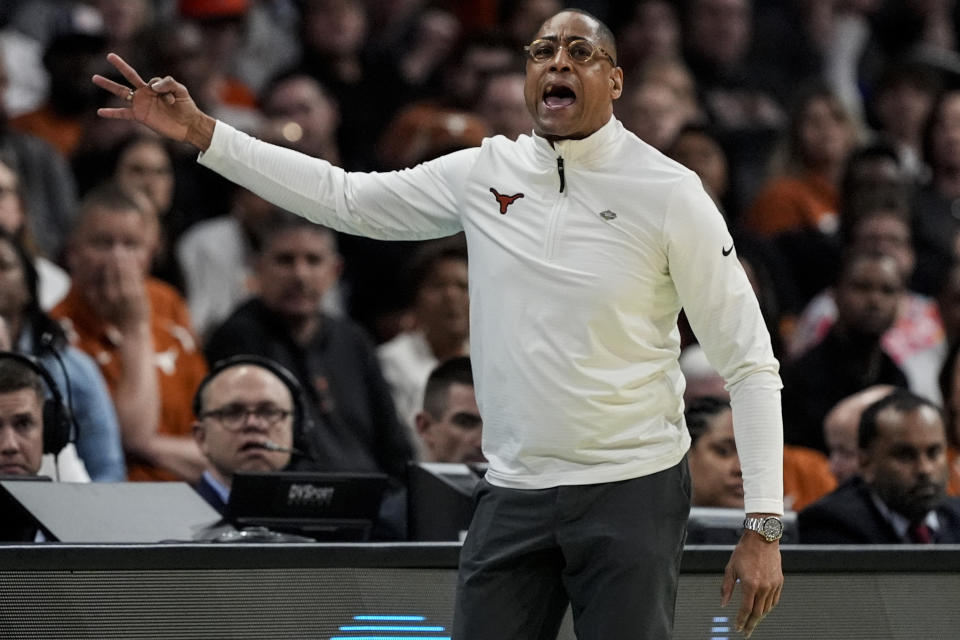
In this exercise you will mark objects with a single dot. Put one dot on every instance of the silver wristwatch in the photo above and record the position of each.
(770, 527)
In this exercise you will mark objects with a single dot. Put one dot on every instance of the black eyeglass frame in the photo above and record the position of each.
(239, 420)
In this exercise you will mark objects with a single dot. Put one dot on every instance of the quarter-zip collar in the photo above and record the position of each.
(583, 151)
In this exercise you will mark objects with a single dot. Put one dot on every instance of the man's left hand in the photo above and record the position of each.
(756, 564)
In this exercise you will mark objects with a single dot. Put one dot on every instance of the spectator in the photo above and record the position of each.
(698, 149)
(22, 441)
(950, 386)
(74, 53)
(333, 39)
(674, 73)
(935, 229)
(52, 281)
(800, 203)
(899, 496)
(655, 113)
(806, 473)
(48, 188)
(851, 356)
(31, 331)
(738, 98)
(138, 330)
(144, 163)
(840, 430)
(873, 178)
(125, 22)
(180, 46)
(24, 437)
(905, 94)
(334, 361)
(245, 405)
(430, 37)
(449, 424)
(502, 105)
(217, 257)
(479, 57)
(916, 340)
(715, 476)
(520, 18)
(948, 302)
(301, 115)
(222, 25)
(652, 32)
(441, 314)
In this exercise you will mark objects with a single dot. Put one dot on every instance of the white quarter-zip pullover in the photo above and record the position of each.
(581, 255)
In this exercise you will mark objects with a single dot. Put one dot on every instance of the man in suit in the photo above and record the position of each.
(900, 494)
(245, 421)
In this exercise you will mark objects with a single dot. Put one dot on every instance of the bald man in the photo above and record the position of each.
(840, 430)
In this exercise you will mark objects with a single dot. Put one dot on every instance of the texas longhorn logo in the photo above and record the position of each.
(505, 201)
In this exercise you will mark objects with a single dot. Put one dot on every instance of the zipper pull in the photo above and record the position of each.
(560, 171)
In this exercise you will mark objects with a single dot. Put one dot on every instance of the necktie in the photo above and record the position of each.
(920, 533)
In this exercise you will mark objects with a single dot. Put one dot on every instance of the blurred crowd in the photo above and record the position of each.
(826, 131)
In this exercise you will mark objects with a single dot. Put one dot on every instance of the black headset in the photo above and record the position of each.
(301, 418)
(57, 420)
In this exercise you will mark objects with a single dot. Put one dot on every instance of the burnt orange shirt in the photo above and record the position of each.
(806, 476)
(791, 204)
(180, 364)
(62, 133)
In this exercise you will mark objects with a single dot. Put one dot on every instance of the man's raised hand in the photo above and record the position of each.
(163, 104)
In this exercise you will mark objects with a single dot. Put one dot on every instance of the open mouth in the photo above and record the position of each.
(250, 446)
(558, 96)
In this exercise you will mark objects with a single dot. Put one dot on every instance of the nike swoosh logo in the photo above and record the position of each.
(726, 252)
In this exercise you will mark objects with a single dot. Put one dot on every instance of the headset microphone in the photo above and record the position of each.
(273, 446)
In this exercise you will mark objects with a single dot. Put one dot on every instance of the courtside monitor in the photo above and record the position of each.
(327, 506)
(106, 512)
(440, 499)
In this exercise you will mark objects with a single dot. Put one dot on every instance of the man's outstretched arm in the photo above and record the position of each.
(163, 104)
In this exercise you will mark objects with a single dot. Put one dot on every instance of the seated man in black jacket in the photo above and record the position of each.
(851, 357)
(900, 494)
(345, 395)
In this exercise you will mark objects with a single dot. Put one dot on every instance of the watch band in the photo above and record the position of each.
(770, 528)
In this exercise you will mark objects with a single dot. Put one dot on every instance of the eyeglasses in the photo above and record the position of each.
(580, 50)
(234, 416)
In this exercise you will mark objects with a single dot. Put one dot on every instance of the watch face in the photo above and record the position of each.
(772, 528)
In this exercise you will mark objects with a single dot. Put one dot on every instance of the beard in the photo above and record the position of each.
(915, 501)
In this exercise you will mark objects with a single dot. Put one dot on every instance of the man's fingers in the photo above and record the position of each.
(729, 582)
(126, 70)
(746, 612)
(119, 113)
(115, 88)
(168, 88)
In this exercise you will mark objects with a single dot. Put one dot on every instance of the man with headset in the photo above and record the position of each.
(246, 411)
(21, 418)
(30, 425)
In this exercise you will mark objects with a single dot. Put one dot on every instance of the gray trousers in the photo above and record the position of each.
(612, 551)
